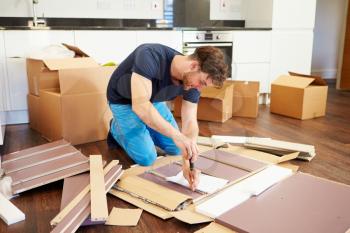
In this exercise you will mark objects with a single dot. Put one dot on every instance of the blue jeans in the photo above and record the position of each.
(137, 139)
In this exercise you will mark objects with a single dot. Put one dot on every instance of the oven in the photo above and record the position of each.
(220, 39)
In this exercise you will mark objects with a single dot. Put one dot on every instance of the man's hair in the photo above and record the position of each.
(212, 61)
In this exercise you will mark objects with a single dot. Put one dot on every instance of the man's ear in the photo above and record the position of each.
(194, 65)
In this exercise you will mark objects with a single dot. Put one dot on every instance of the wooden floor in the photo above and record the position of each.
(330, 135)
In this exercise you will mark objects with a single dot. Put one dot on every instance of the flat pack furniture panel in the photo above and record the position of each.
(234, 160)
(39, 158)
(21, 187)
(99, 208)
(80, 196)
(241, 191)
(217, 169)
(235, 167)
(72, 186)
(47, 168)
(153, 192)
(40, 165)
(300, 203)
(169, 170)
(75, 217)
(9, 212)
(33, 151)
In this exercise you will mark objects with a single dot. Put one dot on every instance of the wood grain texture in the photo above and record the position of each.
(99, 209)
(80, 196)
(330, 135)
(345, 70)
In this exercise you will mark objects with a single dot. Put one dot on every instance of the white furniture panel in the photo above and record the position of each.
(251, 46)
(291, 51)
(17, 83)
(106, 46)
(253, 72)
(295, 14)
(19, 43)
(172, 39)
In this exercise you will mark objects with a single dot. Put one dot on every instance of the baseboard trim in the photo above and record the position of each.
(17, 117)
(326, 73)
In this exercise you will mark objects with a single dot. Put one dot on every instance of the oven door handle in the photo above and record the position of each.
(196, 45)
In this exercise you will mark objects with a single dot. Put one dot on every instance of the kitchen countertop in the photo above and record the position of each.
(135, 28)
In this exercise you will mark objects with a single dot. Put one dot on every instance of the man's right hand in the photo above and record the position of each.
(187, 146)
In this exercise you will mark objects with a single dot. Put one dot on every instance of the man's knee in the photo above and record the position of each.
(172, 150)
(146, 159)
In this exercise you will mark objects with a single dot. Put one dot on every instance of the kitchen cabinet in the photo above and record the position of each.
(3, 89)
(251, 46)
(105, 46)
(251, 57)
(253, 72)
(296, 14)
(280, 14)
(17, 83)
(291, 51)
(173, 39)
(18, 45)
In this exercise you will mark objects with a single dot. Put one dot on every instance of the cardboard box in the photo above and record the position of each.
(42, 74)
(245, 101)
(34, 112)
(78, 111)
(214, 104)
(302, 97)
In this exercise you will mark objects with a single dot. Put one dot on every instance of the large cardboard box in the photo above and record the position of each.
(42, 74)
(78, 111)
(34, 112)
(214, 104)
(245, 101)
(301, 96)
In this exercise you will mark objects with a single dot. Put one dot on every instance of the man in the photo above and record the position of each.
(138, 89)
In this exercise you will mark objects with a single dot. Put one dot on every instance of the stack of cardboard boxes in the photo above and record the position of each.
(235, 98)
(67, 98)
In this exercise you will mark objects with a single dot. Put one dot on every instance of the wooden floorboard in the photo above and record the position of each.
(329, 134)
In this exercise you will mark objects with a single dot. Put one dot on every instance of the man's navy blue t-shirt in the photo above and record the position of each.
(153, 62)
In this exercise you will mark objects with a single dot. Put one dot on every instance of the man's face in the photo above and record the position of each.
(196, 79)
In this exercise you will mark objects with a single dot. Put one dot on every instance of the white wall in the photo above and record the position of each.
(327, 37)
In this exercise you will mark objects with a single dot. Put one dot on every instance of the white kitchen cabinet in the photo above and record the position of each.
(105, 46)
(3, 89)
(280, 14)
(296, 14)
(251, 46)
(253, 72)
(291, 51)
(251, 54)
(172, 39)
(20, 43)
(17, 83)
